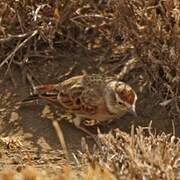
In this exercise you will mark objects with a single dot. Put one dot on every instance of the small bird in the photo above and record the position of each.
(94, 97)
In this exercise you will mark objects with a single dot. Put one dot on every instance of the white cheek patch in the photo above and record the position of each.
(115, 105)
(118, 99)
(111, 101)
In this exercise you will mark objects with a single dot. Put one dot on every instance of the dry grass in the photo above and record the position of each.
(153, 29)
(30, 173)
(121, 156)
(147, 31)
(139, 155)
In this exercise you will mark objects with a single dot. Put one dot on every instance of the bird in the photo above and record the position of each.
(89, 96)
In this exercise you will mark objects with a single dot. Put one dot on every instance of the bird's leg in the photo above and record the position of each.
(77, 123)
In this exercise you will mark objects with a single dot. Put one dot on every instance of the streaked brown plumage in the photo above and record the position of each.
(93, 96)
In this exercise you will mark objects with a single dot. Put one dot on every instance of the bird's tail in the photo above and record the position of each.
(47, 92)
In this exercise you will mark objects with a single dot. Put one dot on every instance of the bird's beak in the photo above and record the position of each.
(132, 110)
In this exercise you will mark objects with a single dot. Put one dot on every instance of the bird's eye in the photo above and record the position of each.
(120, 103)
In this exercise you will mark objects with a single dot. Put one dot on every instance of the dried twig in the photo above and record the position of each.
(130, 65)
(10, 37)
(71, 69)
(60, 137)
(17, 48)
(29, 78)
(89, 16)
(166, 102)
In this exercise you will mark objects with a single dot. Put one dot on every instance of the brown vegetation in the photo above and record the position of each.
(136, 39)
(120, 156)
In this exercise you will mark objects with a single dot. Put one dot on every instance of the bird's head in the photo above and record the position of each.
(126, 97)
(121, 98)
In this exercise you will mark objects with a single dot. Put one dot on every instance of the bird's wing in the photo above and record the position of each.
(81, 95)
